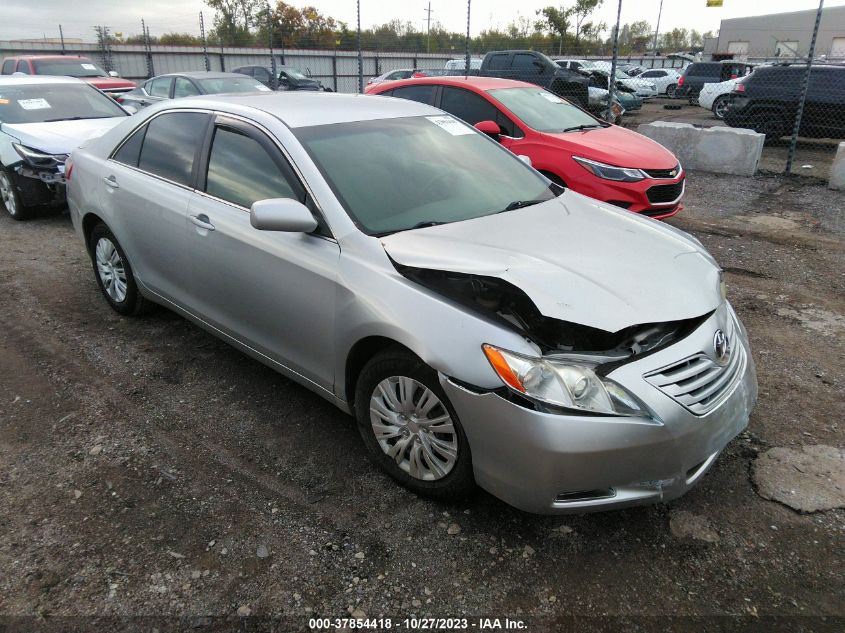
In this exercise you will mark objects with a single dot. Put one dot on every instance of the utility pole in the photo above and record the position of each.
(274, 77)
(62, 38)
(428, 29)
(204, 44)
(657, 29)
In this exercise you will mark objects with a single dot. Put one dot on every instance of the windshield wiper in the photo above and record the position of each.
(592, 126)
(424, 224)
(520, 204)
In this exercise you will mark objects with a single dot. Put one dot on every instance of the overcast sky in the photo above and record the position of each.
(37, 18)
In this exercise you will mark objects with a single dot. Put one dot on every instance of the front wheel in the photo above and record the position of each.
(10, 197)
(410, 429)
(114, 274)
(720, 106)
(670, 91)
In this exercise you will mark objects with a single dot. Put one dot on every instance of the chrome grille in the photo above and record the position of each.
(699, 383)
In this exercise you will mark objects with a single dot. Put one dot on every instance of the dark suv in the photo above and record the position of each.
(766, 101)
(699, 73)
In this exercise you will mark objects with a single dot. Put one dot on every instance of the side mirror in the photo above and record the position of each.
(114, 73)
(490, 128)
(525, 159)
(282, 214)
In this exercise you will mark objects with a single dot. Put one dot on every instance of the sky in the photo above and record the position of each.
(29, 19)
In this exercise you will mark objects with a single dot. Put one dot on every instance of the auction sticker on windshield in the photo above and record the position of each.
(451, 125)
(33, 104)
(550, 97)
(89, 66)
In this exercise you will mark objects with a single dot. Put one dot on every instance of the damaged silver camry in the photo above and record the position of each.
(483, 325)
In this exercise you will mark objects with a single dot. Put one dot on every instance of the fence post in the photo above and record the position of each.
(360, 55)
(274, 78)
(611, 83)
(148, 52)
(466, 61)
(204, 44)
(793, 142)
(222, 57)
(62, 38)
(334, 70)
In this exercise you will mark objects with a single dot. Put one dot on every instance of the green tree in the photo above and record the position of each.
(580, 12)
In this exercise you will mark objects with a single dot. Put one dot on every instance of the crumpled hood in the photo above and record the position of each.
(577, 259)
(618, 146)
(60, 137)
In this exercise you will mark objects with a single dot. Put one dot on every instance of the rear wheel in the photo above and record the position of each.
(670, 91)
(114, 274)
(10, 197)
(720, 106)
(771, 125)
(409, 427)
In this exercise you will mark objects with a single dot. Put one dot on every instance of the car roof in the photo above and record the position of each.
(304, 109)
(202, 74)
(17, 80)
(479, 83)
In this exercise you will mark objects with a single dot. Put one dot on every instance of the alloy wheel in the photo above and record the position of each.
(111, 269)
(7, 194)
(414, 428)
(670, 91)
(720, 107)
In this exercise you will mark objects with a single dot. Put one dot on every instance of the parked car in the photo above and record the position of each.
(598, 105)
(600, 74)
(716, 96)
(393, 75)
(536, 68)
(482, 324)
(566, 144)
(573, 64)
(41, 120)
(632, 70)
(177, 85)
(767, 100)
(460, 64)
(289, 78)
(699, 73)
(69, 66)
(665, 80)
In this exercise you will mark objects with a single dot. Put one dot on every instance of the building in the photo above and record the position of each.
(783, 36)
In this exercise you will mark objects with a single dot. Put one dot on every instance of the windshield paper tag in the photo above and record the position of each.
(33, 104)
(549, 96)
(263, 88)
(89, 66)
(451, 125)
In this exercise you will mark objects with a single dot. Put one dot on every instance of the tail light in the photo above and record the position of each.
(681, 80)
(119, 99)
(734, 76)
(68, 169)
(740, 87)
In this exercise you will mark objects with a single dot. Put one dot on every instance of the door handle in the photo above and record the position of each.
(202, 221)
(111, 181)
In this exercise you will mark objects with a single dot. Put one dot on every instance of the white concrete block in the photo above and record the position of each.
(724, 150)
(837, 170)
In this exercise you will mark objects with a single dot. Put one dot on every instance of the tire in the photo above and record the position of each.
(720, 106)
(773, 128)
(10, 198)
(378, 401)
(670, 91)
(111, 267)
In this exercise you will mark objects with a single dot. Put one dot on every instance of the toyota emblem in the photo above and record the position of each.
(720, 346)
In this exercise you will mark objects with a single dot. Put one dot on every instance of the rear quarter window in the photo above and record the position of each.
(8, 66)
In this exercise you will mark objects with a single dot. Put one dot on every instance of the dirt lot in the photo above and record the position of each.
(813, 157)
(150, 470)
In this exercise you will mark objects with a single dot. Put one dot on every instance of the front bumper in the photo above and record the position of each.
(633, 196)
(559, 464)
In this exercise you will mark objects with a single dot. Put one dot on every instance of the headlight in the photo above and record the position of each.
(609, 172)
(561, 382)
(39, 159)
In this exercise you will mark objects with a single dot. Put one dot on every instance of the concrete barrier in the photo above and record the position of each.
(837, 170)
(724, 150)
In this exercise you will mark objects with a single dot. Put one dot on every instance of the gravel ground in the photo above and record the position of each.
(148, 469)
(813, 157)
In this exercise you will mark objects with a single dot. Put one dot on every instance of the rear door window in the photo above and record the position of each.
(467, 105)
(262, 74)
(23, 67)
(160, 87)
(422, 94)
(8, 66)
(184, 88)
(498, 61)
(170, 145)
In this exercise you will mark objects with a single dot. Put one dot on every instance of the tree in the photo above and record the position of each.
(233, 20)
(581, 11)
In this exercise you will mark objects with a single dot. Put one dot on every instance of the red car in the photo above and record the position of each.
(71, 66)
(567, 144)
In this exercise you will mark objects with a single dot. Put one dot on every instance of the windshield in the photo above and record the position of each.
(542, 110)
(38, 103)
(223, 85)
(295, 74)
(70, 67)
(397, 174)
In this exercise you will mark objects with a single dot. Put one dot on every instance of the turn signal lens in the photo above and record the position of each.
(500, 365)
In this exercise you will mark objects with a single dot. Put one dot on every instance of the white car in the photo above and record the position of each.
(665, 79)
(643, 88)
(43, 118)
(717, 96)
(392, 75)
(460, 64)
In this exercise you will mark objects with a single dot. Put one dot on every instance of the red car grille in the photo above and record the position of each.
(661, 194)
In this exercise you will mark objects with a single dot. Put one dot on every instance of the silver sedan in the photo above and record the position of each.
(482, 325)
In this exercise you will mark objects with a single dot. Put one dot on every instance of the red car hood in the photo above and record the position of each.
(109, 83)
(617, 146)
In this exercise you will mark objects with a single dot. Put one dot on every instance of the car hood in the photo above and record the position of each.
(577, 259)
(618, 146)
(60, 137)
